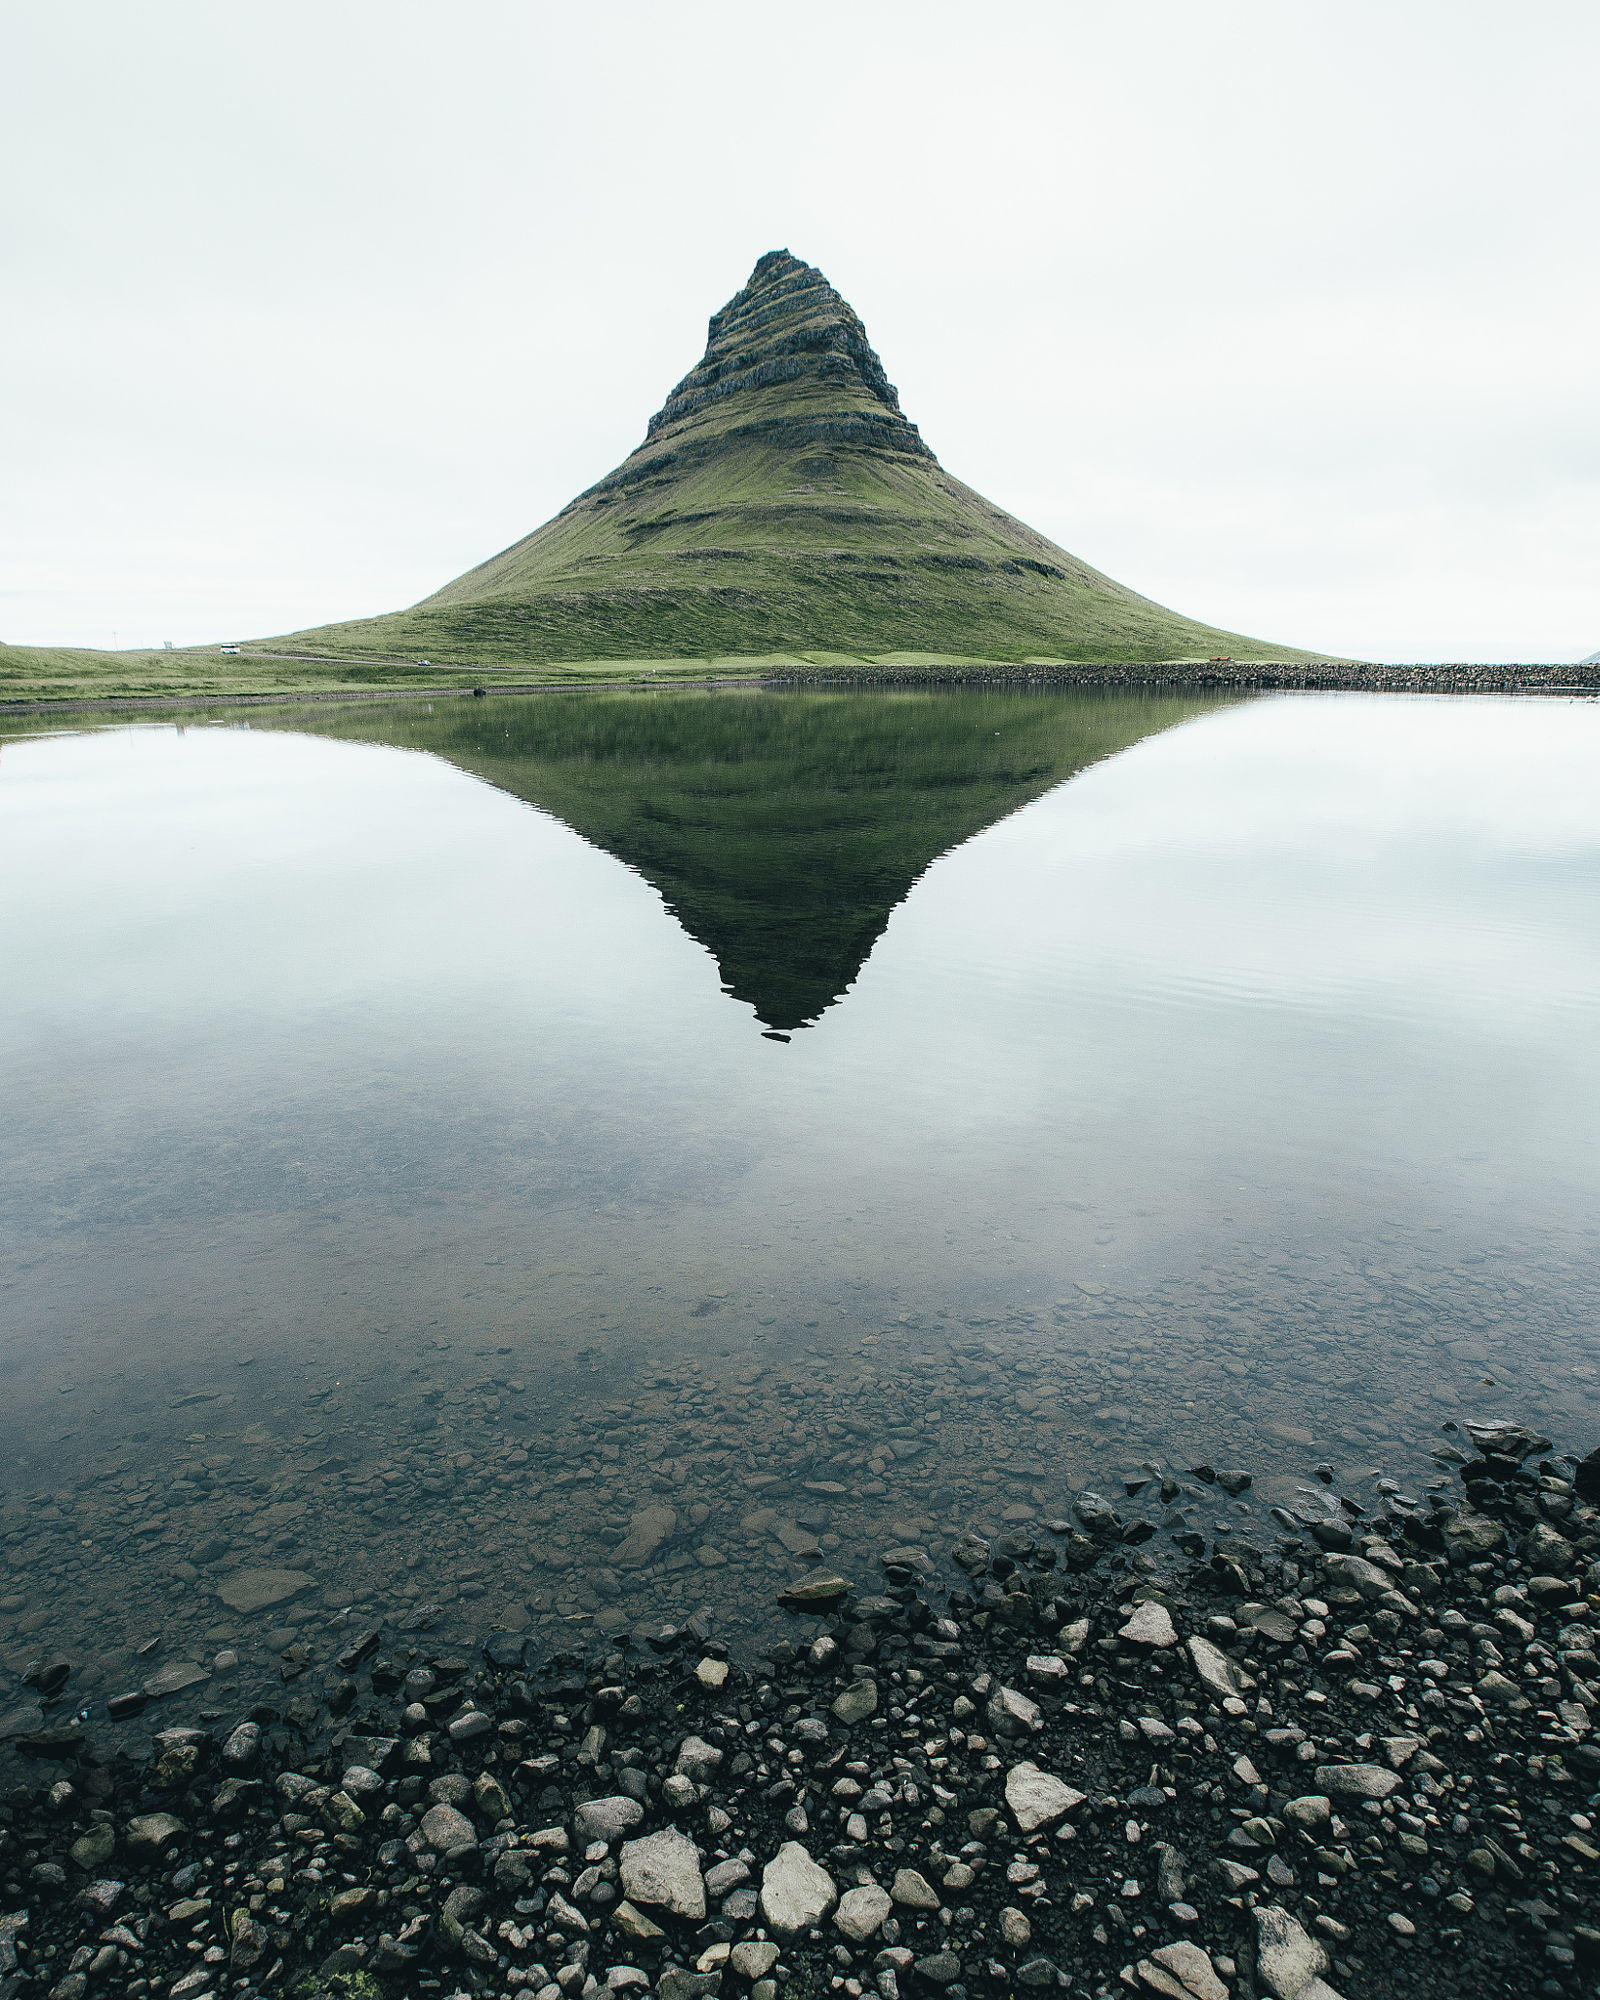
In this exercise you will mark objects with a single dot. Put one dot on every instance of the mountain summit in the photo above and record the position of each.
(788, 330)
(782, 504)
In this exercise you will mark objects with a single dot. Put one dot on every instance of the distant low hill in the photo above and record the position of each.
(783, 506)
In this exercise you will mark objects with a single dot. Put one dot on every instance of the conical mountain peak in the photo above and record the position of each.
(787, 358)
(782, 505)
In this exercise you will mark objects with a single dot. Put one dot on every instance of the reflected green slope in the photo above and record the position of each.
(780, 829)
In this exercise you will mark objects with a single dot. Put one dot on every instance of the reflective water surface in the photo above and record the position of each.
(555, 1162)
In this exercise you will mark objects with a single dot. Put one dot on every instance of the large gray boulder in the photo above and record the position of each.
(795, 1893)
(861, 1912)
(664, 1869)
(448, 1831)
(606, 1819)
(1036, 1798)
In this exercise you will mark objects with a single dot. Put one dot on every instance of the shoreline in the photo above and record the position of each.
(1245, 677)
(1362, 1751)
(275, 698)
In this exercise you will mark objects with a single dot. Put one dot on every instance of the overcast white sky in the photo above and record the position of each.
(1284, 314)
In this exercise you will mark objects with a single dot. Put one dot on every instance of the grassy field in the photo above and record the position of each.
(49, 675)
(52, 674)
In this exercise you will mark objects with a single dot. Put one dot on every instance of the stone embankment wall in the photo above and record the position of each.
(1321, 675)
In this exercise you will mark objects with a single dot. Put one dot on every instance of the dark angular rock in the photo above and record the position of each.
(358, 1650)
(1038, 1972)
(943, 1968)
(47, 1674)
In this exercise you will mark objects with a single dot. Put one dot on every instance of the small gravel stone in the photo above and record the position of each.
(448, 1831)
(1215, 1669)
(914, 1890)
(726, 1876)
(1012, 1713)
(941, 1968)
(696, 1759)
(153, 1833)
(1287, 1960)
(822, 1587)
(649, 1527)
(1182, 1971)
(249, 1590)
(753, 1959)
(857, 1702)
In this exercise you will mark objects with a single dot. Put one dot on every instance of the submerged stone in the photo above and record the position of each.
(249, 1590)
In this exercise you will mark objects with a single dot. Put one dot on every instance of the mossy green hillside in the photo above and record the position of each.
(781, 502)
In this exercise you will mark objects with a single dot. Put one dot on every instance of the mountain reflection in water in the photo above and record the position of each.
(388, 1195)
(780, 833)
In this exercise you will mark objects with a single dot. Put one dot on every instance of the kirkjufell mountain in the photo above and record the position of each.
(783, 505)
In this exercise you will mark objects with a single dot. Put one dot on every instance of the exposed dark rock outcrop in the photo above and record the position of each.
(790, 326)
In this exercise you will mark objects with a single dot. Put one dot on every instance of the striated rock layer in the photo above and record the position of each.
(787, 326)
(782, 504)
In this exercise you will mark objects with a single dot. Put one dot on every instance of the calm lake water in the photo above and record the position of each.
(561, 1162)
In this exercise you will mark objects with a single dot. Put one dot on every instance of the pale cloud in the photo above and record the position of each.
(1283, 315)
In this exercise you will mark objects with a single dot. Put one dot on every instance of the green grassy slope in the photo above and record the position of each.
(781, 829)
(55, 673)
(71, 673)
(781, 504)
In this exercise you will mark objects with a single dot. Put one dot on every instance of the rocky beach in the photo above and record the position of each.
(1352, 1755)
